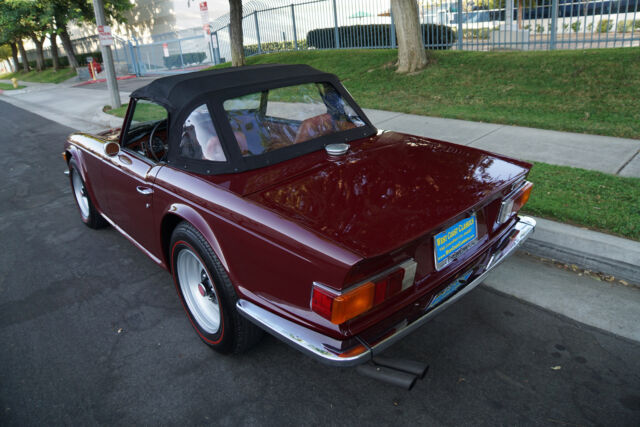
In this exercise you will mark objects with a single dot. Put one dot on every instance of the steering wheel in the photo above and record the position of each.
(156, 146)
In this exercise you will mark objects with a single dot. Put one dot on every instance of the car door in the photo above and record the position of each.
(129, 186)
(129, 181)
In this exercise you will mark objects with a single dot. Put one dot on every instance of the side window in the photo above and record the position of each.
(148, 130)
(199, 139)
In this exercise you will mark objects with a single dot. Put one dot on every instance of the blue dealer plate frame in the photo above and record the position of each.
(454, 240)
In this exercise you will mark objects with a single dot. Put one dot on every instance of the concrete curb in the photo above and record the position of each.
(107, 120)
(588, 249)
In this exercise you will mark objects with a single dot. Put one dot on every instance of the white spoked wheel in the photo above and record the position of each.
(80, 192)
(207, 294)
(88, 212)
(198, 290)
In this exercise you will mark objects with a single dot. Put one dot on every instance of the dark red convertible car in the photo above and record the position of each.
(276, 205)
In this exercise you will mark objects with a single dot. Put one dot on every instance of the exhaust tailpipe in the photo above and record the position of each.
(388, 375)
(418, 369)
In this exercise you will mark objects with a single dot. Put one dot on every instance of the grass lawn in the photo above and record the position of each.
(118, 112)
(588, 91)
(587, 198)
(46, 76)
(143, 113)
(8, 86)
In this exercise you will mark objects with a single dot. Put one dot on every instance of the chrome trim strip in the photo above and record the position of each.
(315, 344)
(132, 240)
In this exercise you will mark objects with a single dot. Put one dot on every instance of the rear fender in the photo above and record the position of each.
(187, 213)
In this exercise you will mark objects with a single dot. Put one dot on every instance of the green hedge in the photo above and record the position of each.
(628, 26)
(377, 35)
(605, 25)
(175, 61)
(268, 47)
(64, 61)
(479, 33)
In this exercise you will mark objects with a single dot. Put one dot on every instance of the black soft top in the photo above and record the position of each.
(177, 92)
(181, 93)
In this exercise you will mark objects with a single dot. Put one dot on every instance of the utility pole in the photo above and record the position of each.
(112, 82)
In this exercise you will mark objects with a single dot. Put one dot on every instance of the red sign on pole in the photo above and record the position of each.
(204, 18)
(104, 33)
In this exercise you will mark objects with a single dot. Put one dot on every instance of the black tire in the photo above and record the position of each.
(88, 214)
(235, 334)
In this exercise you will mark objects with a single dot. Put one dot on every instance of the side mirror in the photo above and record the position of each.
(111, 148)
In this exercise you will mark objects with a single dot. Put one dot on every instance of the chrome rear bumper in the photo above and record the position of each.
(323, 347)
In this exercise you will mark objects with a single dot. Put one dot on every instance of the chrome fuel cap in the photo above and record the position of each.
(336, 149)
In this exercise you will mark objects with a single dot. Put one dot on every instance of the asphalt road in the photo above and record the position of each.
(92, 332)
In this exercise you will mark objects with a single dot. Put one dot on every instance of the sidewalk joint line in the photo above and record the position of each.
(390, 118)
(486, 134)
(624, 165)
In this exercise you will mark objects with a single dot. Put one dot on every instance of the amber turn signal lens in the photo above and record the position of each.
(514, 202)
(523, 197)
(349, 305)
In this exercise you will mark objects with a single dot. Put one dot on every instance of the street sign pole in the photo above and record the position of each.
(107, 57)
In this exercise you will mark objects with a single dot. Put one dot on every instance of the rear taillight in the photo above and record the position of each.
(358, 299)
(514, 202)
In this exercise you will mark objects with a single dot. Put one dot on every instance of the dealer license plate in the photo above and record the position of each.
(454, 240)
(449, 290)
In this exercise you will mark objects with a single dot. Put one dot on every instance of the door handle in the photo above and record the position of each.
(144, 190)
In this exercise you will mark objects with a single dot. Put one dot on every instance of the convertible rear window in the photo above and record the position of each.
(277, 118)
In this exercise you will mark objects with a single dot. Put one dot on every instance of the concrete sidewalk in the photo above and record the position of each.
(77, 108)
(81, 108)
(619, 156)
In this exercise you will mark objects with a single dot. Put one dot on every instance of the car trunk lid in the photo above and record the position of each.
(387, 191)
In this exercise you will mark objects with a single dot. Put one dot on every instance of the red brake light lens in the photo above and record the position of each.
(321, 303)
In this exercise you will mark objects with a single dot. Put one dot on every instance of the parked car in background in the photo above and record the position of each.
(276, 205)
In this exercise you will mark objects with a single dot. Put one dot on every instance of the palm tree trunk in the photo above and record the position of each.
(68, 47)
(39, 53)
(23, 54)
(14, 54)
(235, 30)
(411, 53)
(54, 51)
